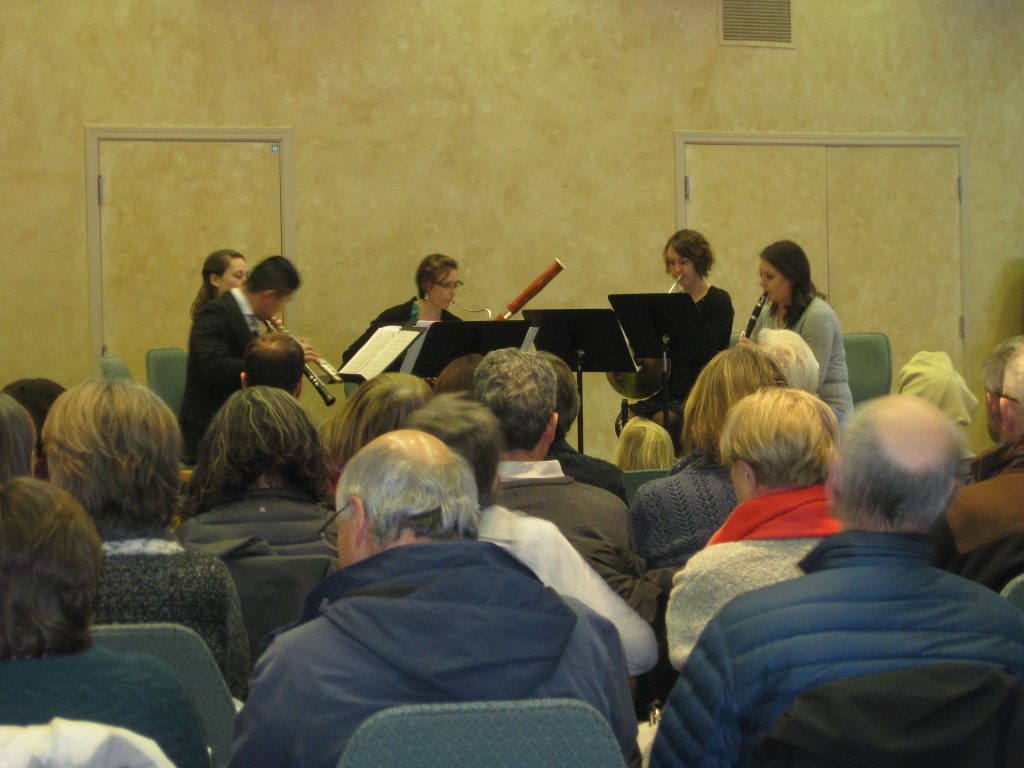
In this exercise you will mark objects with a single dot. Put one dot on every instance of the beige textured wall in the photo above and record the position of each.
(503, 133)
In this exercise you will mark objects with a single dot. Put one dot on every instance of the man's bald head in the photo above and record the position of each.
(409, 483)
(896, 466)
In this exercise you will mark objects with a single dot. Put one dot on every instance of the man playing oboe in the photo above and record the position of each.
(220, 333)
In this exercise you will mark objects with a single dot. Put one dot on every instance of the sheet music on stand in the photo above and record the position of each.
(382, 349)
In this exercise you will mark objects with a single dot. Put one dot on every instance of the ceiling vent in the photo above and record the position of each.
(756, 22)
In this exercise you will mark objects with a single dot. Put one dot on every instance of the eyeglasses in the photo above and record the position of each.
(451, 286)
(997, 393)
(329, 530)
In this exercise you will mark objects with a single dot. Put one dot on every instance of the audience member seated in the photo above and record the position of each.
(274, 360)
(519, 388)
(473, 432)
(114, 445)
(261, 472)
(643, 445)
(580, 467)
(794, 356)
(981, 536)
(379, 405)
(36, 395)
(17, 440)
(930, 375)
(870, 602)
(673, 517)
(992, 372)
(50, 557)
(417, 615)
(457, 376)
(777, 445)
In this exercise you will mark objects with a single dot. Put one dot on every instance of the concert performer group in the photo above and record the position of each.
(228, 312)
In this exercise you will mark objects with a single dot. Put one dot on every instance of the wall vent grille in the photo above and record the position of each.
(756, 22)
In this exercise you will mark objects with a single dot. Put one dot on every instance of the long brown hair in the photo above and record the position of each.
(217, 263)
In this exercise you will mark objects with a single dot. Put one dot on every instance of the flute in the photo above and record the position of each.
(308, 372)
(753, 316)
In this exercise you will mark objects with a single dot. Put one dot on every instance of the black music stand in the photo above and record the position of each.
(664, 325)
(445, 341)
(588, 340)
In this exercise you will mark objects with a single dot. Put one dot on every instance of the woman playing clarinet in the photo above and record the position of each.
(688, 259)
(796, 304)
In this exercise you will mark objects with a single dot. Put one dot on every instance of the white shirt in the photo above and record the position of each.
(539, 545)
(243, 304)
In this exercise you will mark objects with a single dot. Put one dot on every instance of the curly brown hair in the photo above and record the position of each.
(261, 437)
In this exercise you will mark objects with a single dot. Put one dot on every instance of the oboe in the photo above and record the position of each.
(308, 372)
(753, 316)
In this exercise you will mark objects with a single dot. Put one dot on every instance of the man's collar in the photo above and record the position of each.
(529, 470)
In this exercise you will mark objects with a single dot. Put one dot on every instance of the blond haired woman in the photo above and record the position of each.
(379, 405)
(673, 517)
(114, 446)
(643, 445)
(777, 445)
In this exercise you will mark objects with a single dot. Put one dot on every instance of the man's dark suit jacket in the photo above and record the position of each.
(216, 347)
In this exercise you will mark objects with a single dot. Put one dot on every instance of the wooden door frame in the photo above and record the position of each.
(283, 137)
(958, 142)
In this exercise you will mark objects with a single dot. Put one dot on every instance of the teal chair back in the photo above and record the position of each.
(634, 478)
(165, 374)
(869, 363)
(536, 733)
(113, 367)
(188, 656)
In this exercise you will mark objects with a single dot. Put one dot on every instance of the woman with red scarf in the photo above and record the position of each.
(777, 445)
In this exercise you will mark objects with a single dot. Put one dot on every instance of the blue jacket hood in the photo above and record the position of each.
(463, 618)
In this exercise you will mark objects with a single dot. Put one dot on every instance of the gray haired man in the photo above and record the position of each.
(420, 613)
(981, 537)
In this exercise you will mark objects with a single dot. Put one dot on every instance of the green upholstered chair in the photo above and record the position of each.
(165, 374)
(634, 478)
(187, 655)
(533, 733)
(869, 363)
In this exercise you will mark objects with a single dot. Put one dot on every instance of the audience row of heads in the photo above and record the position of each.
(114, 445)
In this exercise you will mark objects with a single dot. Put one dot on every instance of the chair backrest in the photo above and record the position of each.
(165, 374)
(487, 734)
(187, 655)
(869, 364)
(1014, 591)
(113, 367)
(634, 478)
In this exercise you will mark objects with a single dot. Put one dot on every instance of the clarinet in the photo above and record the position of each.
(313, 379)
(753, 316)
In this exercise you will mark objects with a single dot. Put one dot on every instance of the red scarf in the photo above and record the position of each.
(791, 514)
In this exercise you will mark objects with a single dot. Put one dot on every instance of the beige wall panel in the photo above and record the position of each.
(504, 133)
(167, 204)
(743, 198)
(894, 246)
